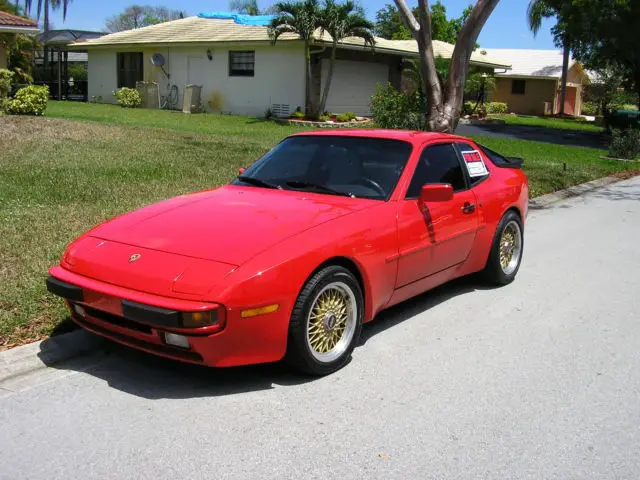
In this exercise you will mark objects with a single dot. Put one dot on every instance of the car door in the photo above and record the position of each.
(435, 236)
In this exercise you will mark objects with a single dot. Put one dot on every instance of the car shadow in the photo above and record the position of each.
(152, 377)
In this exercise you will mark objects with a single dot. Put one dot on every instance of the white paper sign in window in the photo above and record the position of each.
(475, 164)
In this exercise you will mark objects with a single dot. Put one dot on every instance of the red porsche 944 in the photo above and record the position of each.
(306, 245)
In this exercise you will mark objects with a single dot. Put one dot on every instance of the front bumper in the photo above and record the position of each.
(234, 341)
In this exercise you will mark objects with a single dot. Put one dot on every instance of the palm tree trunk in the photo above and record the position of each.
(565, 74)
(327, 83)
(309, 108)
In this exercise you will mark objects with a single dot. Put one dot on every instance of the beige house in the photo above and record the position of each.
(533, 84)
(14, 24)
(240, 71)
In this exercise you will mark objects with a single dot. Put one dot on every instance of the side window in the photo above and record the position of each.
(437, 164)
(465, 147)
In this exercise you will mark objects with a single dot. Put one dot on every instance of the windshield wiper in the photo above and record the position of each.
(296, 184)
(257, 182)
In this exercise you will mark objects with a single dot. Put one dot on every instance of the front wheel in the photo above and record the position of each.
(506, 251)
(326, 322)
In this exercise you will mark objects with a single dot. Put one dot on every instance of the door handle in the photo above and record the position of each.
(468, 208)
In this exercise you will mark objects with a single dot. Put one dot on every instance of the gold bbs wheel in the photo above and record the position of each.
(331, 322)
(510, 247)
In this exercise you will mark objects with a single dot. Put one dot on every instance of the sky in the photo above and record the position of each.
(506, 28)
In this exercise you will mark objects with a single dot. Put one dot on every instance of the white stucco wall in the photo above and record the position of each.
(102, 75)
(279, 76)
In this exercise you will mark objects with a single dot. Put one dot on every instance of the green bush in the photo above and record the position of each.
(128, 97)
(488, 107)
(6, 79)
(344, 117)
(494, 108)
(398, 110)
(298, 114)
(324, 118)
(625, 144)
(589, 108)
(31, 100)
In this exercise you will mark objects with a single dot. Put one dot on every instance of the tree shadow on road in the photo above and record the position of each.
(148, 376)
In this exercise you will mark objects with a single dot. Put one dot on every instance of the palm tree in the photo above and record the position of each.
(47, 5)
(536, 12)
(302, 18)
(342, 21)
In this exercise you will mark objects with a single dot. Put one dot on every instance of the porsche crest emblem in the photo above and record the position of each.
(134, 257)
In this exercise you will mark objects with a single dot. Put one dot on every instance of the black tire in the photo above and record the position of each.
(493, 272)
(299, 355)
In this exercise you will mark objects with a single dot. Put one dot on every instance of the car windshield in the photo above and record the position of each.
(332, 165)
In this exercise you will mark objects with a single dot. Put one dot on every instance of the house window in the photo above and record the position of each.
(130, 69)
(517, 87)
(242, 63)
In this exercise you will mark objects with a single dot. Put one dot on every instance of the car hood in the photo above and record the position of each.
(229, 225)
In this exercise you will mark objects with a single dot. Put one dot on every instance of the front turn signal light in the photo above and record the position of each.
(254, 312)
(199, 319)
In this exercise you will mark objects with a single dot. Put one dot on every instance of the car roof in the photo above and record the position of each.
(411, 136)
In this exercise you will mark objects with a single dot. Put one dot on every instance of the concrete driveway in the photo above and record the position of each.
(540, 379)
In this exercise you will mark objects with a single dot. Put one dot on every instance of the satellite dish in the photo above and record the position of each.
(157, 59)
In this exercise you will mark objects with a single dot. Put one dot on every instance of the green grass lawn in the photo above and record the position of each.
(550, 122)
(84, 163)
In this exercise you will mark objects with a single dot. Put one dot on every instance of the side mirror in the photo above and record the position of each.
(241, 170)
(436, 192)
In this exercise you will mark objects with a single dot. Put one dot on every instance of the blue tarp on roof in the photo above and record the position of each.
(255, 20)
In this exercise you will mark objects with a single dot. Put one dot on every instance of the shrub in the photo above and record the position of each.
(589, 108)
(467, 108)
(6, 79)
(399, 110)
(324, 118)
(625, 143)
(350, 115)
(494, 108)
(31, 100)
(344, 117)
(298, 114)
(128, 97)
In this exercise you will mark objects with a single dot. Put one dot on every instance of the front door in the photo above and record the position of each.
(437, 235)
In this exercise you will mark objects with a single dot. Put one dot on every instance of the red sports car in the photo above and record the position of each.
(303, 247)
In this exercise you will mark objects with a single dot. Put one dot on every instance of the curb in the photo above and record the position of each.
(45, 353)
(545, 201)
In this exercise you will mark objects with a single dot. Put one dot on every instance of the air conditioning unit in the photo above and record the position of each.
(280, 109)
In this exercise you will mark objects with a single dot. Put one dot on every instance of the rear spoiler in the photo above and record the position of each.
(514, 162)
(500, 160)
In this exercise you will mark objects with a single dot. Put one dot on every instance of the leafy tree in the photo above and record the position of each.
(445, 99)
(138, 16)
(341, 21)
(389, 24)
(249, 7)
(603, 34)
(302, 18)
(20, 48)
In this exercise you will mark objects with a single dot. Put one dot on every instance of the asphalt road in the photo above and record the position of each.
(555, 136)
(540, 379)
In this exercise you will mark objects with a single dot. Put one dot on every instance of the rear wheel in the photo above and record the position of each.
(506, 251)
(326, 322)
